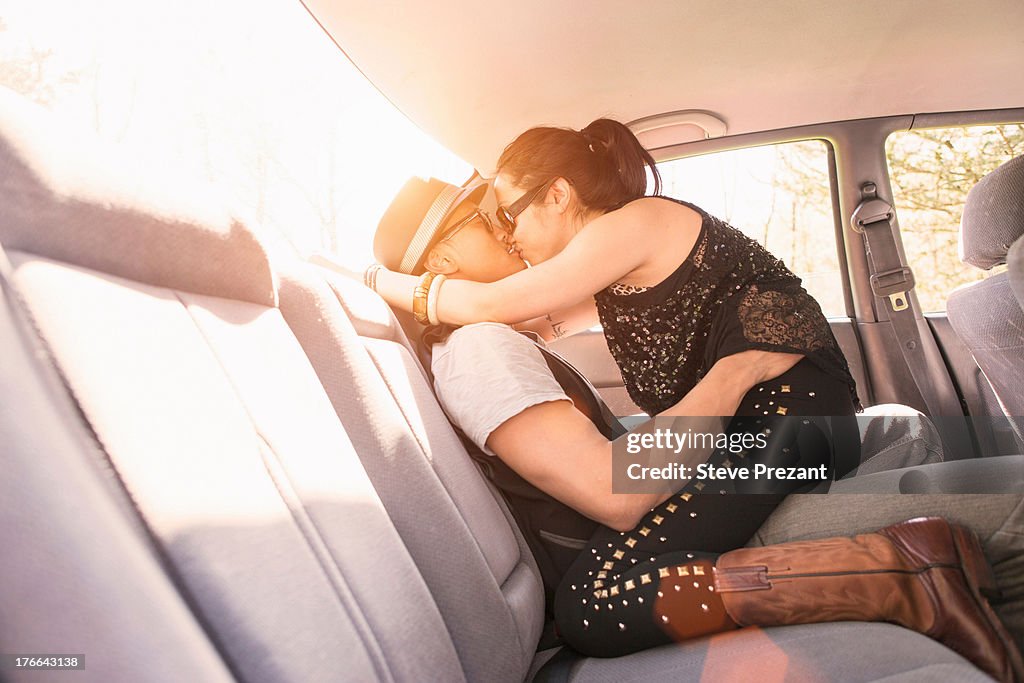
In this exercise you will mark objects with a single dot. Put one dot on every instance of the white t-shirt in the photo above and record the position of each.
(487, 373)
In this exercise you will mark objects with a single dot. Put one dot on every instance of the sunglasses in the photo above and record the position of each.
(506, 215)
(477, 213)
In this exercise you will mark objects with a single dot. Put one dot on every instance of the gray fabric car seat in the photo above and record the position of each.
(986, 315)
(477, 565)
(190, 468)
(207, 412)
(79, 574)
(327, 321)
(1015, 269)
(895, 436)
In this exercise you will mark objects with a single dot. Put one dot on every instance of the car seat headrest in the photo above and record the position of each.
(67, 197)
(993, 216)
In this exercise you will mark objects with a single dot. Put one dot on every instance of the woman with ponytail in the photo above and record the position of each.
(675, 288)
(677, 291)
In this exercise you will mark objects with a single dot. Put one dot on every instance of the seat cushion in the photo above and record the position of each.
(843, 651)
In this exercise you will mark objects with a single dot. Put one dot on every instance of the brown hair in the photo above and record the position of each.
(604, 162)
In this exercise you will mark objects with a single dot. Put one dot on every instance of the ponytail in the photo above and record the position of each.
(604, 161)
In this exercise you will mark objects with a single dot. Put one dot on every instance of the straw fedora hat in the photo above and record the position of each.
(412, 223)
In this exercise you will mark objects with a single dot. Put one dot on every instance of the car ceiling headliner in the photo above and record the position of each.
(474, 75)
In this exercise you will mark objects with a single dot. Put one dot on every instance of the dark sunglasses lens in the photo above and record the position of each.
(505, 219)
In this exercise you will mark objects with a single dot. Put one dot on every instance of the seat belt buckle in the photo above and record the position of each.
(894, 285)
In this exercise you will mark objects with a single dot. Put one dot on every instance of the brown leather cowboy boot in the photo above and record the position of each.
(923, 574)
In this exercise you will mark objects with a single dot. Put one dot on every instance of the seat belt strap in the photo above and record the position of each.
(891, 281)
(575, 383)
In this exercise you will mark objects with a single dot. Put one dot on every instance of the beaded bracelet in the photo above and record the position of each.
(432, 295)
(370, 275)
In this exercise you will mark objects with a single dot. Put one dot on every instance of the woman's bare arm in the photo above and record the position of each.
(605, 251)
(563, 323)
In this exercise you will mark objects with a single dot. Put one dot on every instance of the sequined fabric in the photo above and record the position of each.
(727, 296)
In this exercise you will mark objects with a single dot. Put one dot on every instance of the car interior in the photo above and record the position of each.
(224, 461)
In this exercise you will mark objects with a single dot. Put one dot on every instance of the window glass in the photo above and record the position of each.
(251, 97)
(932, 171)
(777, 194)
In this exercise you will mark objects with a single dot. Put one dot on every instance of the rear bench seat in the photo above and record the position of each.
(472, 557)
(165, 329)
(190, 494)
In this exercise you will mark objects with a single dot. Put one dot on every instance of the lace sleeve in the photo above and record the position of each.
(782, 318)
(788, 320)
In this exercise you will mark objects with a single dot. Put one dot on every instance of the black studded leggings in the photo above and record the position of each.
(628, 591)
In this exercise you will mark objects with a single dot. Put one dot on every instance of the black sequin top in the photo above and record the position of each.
(729, 295)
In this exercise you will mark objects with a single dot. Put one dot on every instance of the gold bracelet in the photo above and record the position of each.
(419, 298)
(432, 294)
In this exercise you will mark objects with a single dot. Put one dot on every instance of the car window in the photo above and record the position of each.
(932, 171)
(779, 195)
(252, 98)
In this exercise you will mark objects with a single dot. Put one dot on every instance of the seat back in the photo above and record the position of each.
(457, 529)
(986, 315)
(248, 523)
(84, 578)
(1015, 269)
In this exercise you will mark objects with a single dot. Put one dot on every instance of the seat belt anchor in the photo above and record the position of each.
(871, 213)
(871, 210)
